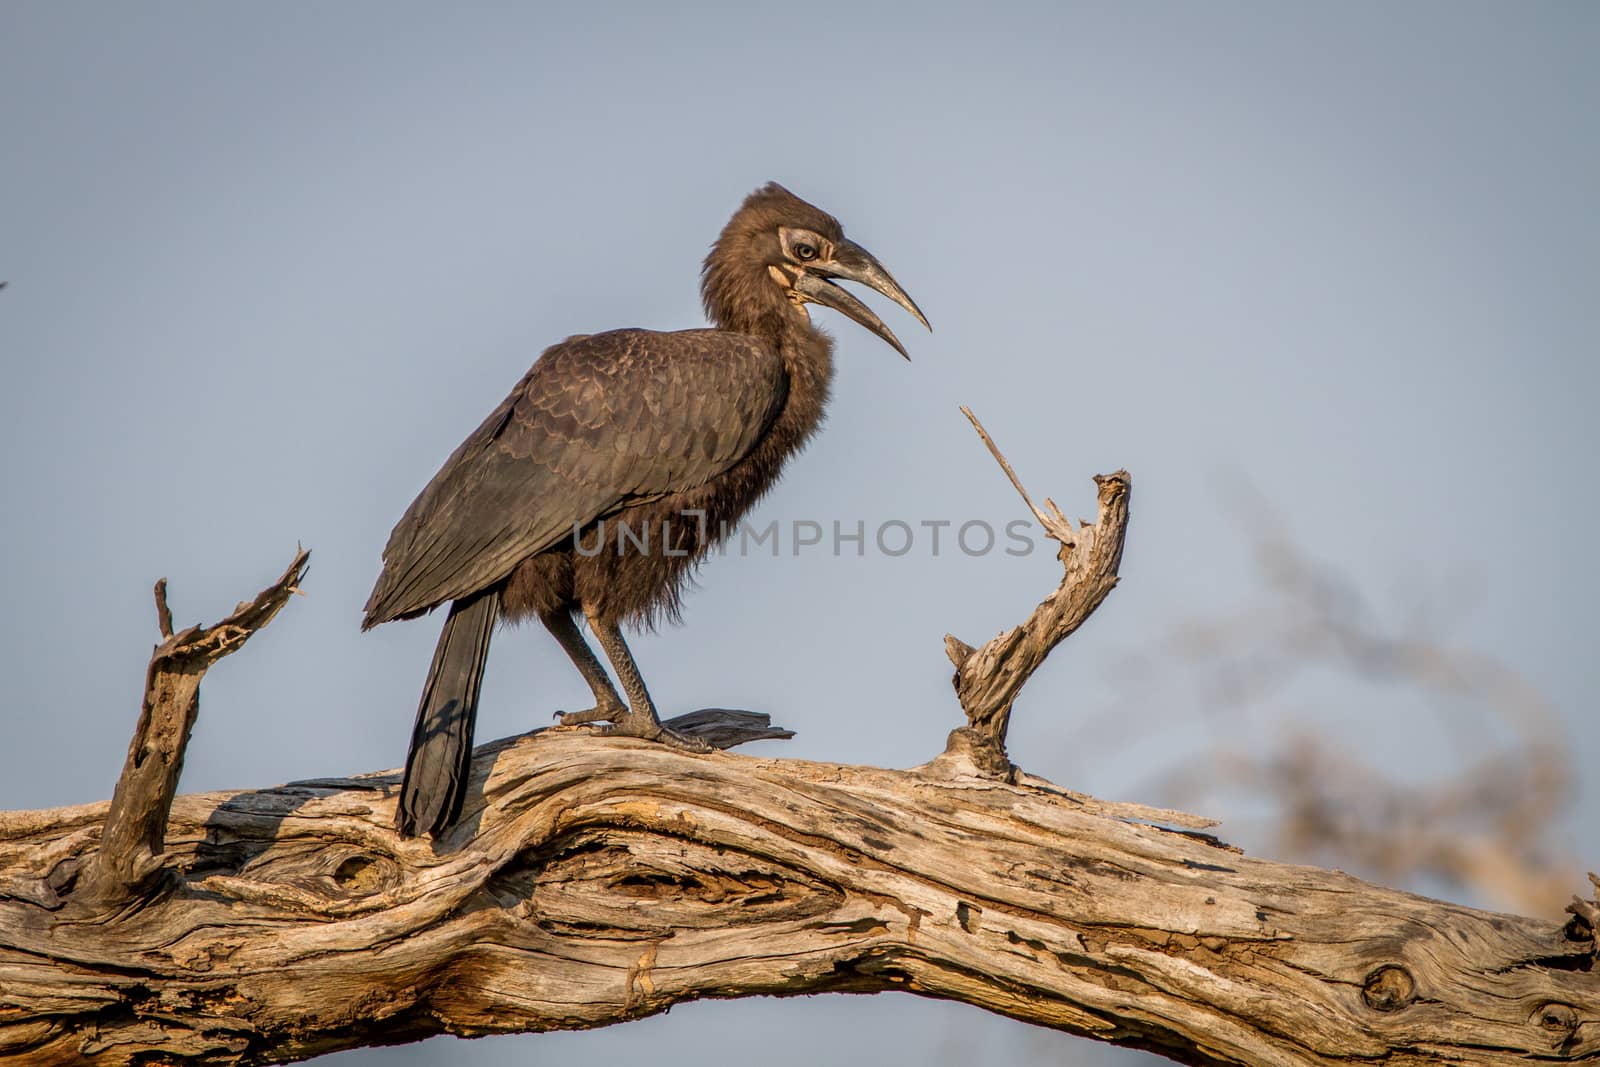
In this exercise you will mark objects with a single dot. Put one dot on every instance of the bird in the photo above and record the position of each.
(548, 508)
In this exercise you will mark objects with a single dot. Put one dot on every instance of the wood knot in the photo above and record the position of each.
(1558, 1020)
(1389, 988)
(354, 873)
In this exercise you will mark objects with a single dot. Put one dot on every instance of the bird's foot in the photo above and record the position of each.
(598, 713)
(649, 728)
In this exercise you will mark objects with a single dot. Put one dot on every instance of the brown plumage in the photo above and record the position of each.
(615, 464)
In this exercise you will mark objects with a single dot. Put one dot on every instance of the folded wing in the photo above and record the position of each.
(598, 422)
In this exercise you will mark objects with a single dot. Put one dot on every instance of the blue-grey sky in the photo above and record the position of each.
(268, 264)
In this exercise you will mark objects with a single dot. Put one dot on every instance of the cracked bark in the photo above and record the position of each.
(596, 880)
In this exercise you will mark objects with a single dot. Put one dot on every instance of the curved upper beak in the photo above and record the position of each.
(853, 263)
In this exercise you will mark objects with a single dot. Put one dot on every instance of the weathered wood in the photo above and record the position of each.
(136, 820)
(598, 880)
(988, 679)
(594, 880)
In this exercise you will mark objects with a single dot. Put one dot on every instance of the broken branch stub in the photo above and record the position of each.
(988, 679)
(1585, 922)
(132, 841)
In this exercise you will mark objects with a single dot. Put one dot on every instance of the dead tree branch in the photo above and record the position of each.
(599, 880)
(136, 821)
(595, 880)
(988, 679)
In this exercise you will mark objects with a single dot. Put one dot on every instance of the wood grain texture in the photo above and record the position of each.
(989, 679)
(596, 880)
(137, 819)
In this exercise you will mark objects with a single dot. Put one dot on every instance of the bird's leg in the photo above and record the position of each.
(641, 719)
(608, 706)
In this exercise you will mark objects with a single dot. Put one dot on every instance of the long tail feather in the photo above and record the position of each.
(440, 760)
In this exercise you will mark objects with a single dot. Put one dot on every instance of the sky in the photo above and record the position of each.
(268, 264)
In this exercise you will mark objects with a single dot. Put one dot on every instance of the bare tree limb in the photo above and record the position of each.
(136, 820)
(988, 679)
(597, 880)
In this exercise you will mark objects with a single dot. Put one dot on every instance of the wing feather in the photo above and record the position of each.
(598, 421)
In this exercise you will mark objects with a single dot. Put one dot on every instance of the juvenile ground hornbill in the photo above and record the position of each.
(671, 436)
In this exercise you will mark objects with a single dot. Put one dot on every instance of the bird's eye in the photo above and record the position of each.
(805, 253)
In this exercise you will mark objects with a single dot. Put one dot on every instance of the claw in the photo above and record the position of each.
(649, 729)
(595, 714)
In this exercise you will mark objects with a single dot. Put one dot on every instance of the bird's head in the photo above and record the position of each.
(779, 252)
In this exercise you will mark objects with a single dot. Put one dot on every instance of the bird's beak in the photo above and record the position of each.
(853, 263)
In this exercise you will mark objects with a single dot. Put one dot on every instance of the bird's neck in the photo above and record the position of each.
(766, 314)
(785, 329)
(808, 356)
(749, 303)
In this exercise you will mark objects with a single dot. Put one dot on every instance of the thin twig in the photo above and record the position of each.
(1057, 525)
